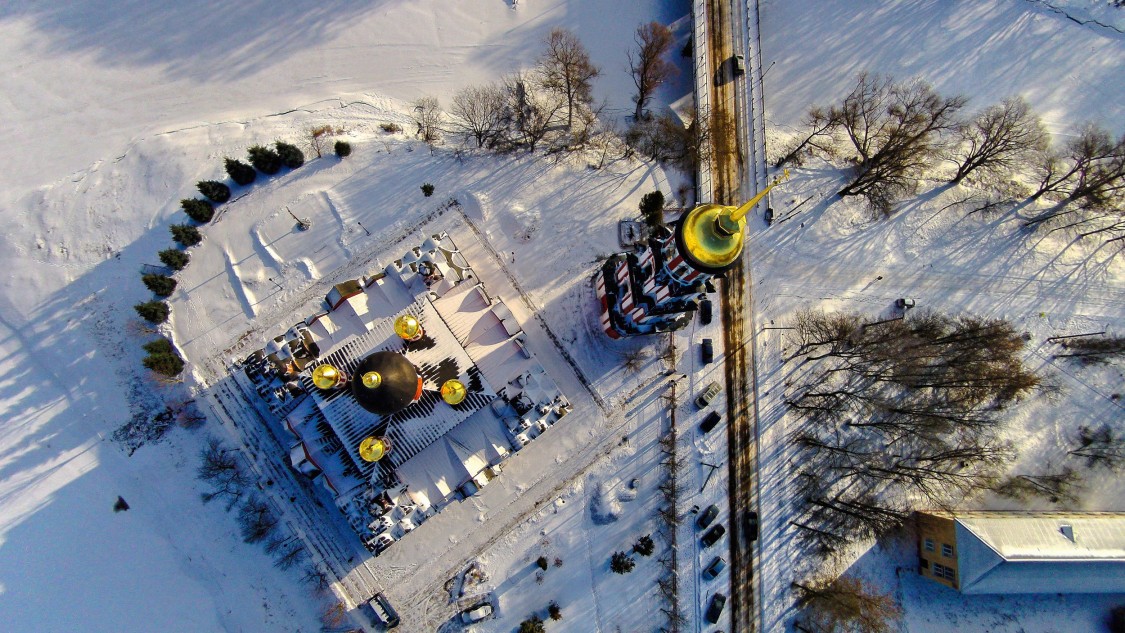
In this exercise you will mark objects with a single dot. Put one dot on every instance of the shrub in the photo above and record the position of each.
(554, 611)
(264, 159)
(542, 562)
(644, 545)
(153, 311)
(213, 190)
(343, 149)
(174, 258)
(291, 156)
(186, 234)
(164, 364)
(241, 173)
(162, 285)
(532, 625)
(390, 128)
(621, 563)
(427, 190)
(159, 346)
(198, 210)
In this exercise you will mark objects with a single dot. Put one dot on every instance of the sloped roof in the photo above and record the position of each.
(1037, 553)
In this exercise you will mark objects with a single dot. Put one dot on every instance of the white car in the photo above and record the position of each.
(476, 614)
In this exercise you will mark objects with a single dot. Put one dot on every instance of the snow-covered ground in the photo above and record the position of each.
(829, 254)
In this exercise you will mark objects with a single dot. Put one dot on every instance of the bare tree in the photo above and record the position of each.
(1090, 174)
(219, 467)
(819, 124)
(479, 113)
(647, 63)
(534, 110)
(998, 139)
(256, 520)
(290, 555)
(1103, 446)
(1094, 349)
(566, 69)
(317, 138)
(1058, 487)
(895, 129)
(427, 117)
(843, 605)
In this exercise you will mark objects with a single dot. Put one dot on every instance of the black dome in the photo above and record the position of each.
(401, 384)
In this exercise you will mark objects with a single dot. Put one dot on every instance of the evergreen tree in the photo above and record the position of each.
(199, 210)
(264, 159)
(241, 173)
(427, 190)
(652, 208)
(213, 190)
(343, 149)
(532, 625)
(554, 611)
(153, 311)
(542, 562)
(621, 563)
(186, 234)
(174, 258)
(644, 546)
(161, 285)
(291, 156)
(164, 364)
(159, 346)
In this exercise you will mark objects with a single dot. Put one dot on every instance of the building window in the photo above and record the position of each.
(925, 563)
(941, 571)
(928, 544)
(947, 550)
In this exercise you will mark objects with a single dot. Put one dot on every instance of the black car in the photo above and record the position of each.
(752, 526)
(705, 311)
(713, 535)
(768, 216)
(708, 351)
(709, 422)
(707, 516)
(715, 609)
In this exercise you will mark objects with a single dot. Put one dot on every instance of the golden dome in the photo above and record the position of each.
(711, 238)
(372, 379)
(453, 392)
(372, 448)
(408, 327)
(327, 377)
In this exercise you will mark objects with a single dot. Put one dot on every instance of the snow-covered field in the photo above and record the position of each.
(113, 112)
(829, 254)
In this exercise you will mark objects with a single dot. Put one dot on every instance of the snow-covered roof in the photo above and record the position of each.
(1041, 553)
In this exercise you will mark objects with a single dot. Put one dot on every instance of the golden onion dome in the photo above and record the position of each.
(372, 448)
(453, 392)
(408, 327)
(711, 238)
(327, 377)
(372, 379)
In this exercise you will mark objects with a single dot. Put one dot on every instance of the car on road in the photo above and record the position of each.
(768, 216)
(476, 614)
(738, 65)
(713, 535)
(904, 303)
(705, 311)
(708, 351)
(710, 421)
(752, 526)
(715, 609)
(707, 516)
(708, 395)
(715, 567)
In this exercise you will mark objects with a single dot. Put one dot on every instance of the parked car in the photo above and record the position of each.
(707, 516)
(705, 311)
(709, 422)
(708, 395)
(386, 612)
(714, 568)
(904, 303)
(713, 535)
(715, 609)
(476, 614)
(738, 65)
(708, 351)
(752, 526)
(768, 216)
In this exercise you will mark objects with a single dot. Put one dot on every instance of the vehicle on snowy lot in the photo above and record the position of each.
(905, 303)
(707, 516)
(709, 422)
(715, 609)
(476, 614)
(708, 395)
(705, 311)
(708, 351)
(713, 535)
(714, 568)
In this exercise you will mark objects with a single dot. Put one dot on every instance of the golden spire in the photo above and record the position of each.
(372, 448)
(372, 379)
(408, 327)
(712, 233)
(453, 392)
(327, 377)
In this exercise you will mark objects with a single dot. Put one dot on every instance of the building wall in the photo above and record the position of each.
(940, 533)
